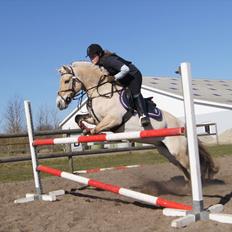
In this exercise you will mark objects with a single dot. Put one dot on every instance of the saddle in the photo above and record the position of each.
(127, 102)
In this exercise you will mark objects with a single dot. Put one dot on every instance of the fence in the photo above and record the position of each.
(18, 143)
(17, 148)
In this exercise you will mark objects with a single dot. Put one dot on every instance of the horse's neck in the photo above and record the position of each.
(90, 75)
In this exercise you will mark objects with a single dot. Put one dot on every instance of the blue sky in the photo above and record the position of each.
(37, 37)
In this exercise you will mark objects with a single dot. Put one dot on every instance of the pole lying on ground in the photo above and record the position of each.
(145, 198)
(94, 170)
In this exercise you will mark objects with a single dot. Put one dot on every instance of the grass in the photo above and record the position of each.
(22, 171)
(220, 150)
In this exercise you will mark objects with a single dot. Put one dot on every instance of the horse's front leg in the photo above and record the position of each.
(85, 117)
(83, 120)
(106, 123)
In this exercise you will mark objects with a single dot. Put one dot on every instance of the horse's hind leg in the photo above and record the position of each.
(177, 146)
(175, 150)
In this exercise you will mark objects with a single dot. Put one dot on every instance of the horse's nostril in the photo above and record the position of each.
(68, 100)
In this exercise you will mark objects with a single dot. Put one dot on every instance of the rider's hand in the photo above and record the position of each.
(110, 78)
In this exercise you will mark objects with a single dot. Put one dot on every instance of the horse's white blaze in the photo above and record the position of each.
(61, 104)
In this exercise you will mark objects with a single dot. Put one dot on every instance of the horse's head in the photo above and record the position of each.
(81, 75)
(69, 86)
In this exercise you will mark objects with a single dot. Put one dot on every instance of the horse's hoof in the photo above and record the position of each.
(86, 132)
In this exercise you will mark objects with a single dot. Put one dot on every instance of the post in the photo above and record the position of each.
(216, 131)
(192, 138)
(34, 159)
(30, 131)
(198, 212)
(70, 157)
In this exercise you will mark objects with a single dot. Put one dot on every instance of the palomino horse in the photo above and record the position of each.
(106, 112)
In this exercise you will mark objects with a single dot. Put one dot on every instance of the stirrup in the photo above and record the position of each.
(144, 120)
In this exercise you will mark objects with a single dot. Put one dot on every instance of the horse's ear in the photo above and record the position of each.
(64, 69)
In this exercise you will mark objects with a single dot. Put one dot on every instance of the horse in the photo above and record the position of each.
(107, 112)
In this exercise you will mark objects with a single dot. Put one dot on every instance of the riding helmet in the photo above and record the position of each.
(94, 49)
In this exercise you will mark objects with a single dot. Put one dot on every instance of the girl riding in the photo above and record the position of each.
(125, 73)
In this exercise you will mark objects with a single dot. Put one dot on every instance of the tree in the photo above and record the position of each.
(1, 125)
(43, 121)
(54, 118)
(14, 118)
(47, 119)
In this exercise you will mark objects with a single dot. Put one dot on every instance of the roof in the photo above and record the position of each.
(218, 91)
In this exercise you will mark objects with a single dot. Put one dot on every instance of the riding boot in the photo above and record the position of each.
(141, 109)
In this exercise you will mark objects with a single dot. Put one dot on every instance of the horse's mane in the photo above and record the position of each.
(91, 67)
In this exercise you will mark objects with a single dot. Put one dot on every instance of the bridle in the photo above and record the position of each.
(85, 91)
(71, 88)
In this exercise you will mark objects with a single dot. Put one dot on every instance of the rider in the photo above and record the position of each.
(124, 72)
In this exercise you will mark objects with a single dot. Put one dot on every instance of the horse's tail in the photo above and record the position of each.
(208, 167)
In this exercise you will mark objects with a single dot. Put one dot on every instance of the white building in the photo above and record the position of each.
(212, 100)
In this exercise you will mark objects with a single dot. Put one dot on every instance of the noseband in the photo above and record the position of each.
(75, 79)
(71, 88)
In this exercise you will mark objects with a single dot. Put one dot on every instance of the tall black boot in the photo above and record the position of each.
(141, 109)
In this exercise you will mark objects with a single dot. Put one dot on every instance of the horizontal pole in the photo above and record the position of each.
(77, 153)
(145, 198)
(94, 170)
(112, 137)
(61, 131)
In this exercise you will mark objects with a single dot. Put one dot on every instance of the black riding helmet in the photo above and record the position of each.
(94, 49)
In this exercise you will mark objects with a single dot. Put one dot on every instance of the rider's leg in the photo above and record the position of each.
(135, 87)
(141, 109)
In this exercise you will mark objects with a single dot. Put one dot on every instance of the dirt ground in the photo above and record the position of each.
(88, 209)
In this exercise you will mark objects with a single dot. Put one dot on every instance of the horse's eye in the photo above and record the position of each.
(66, 82)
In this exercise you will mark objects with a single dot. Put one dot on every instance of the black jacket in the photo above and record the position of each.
(113, 63)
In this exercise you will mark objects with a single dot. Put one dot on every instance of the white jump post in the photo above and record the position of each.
(198, 212)
(38, 186)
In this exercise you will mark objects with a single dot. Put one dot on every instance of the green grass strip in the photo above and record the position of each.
(22, 171)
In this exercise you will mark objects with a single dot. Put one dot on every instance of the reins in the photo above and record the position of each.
(100, 83)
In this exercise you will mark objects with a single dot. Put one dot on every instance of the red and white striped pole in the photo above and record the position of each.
(112, 137)
(145, 198)
(94, 170)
